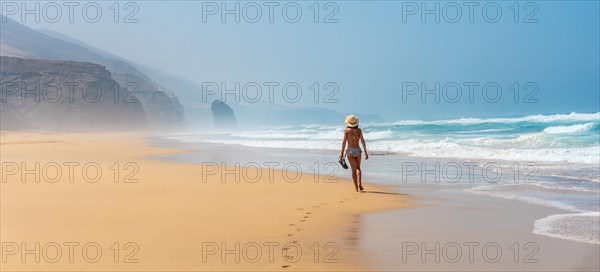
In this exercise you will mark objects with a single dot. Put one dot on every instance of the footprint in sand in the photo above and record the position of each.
(299, 209)
(292, 225)
(352, 238)
(290, 234)
(302, 220)
(286, 266)
(299, 230)
(308, 213)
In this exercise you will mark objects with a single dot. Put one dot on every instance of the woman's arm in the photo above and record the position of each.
(343, 144)
(364, 144)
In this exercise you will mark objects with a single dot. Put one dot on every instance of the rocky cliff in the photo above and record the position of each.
(65, 95)
(161, 106)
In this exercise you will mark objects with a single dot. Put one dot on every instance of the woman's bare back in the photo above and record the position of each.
(353, 136)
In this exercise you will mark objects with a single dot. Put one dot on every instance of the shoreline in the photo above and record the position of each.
(159, 216)
(432, 198)
(458, 221)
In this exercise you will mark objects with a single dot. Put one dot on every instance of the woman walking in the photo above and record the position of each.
(352, 135)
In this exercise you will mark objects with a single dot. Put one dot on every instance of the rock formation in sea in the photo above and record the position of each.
(223, 115)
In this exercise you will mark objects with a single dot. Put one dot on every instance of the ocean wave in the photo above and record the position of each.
(592, 179)
(580, 128)
(565, 189)
(572, 117)
(438, 149)
(560, 140)
(531, 140)
(378, 135)
(331, 134)
(484, 131)
(579, 227)
(537, 140)
(493, 192)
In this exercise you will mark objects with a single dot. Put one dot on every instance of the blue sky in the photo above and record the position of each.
(370, 52)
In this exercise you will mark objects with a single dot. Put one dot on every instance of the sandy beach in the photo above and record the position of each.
(451, 228)
(95, 202)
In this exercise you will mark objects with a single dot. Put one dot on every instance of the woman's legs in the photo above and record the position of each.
(352, 161)
(359, 172)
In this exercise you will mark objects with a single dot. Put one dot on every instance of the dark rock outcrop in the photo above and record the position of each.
(64, 95)
(223, 115)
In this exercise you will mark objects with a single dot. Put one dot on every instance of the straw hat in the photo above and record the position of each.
(352, 121)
